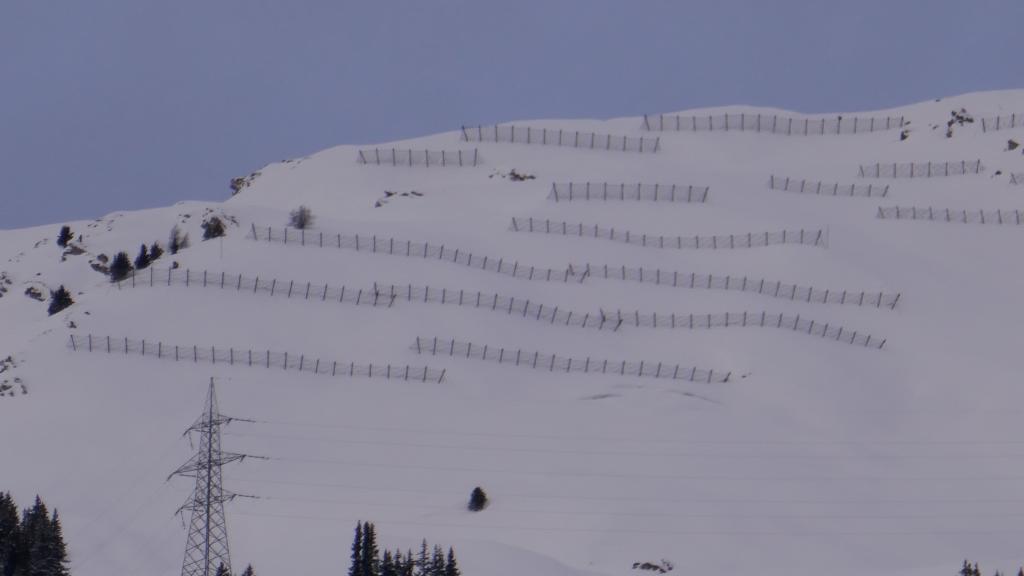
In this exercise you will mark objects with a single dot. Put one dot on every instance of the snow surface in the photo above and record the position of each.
(816, 455)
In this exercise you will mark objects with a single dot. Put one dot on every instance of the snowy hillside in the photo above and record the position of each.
(775, 352)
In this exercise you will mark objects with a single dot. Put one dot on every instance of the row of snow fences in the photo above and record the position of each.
(718, 242)
(802, 186)
(427, 158)
(248, 357)
(554, 363)
(992, 217)
(920, 169)
(603, 191)
(1002, 122)
(772, 289)
(771, 124)
(395, 247)
(388, 296)
(552, 137)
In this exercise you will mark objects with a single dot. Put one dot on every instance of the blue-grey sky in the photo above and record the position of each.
(122, 104)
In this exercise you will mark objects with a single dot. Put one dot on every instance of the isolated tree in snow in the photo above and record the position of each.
(301, 218)
(120, 267)
(213, 228)
(155, 251)
(143, 259)
(248, 571)
(59, 300)
(65, 236)
(356, 568)
(177, 240)
(477, 500)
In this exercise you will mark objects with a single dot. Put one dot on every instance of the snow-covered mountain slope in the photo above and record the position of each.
(816, 454)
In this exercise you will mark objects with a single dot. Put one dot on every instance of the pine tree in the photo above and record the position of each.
(423, 561)
(59, 300)
(451, 567)
(387, 565)
(34, 524)
(477, 500)
(410, 564)
(143, 259)
(120, 267)
(65, 236)
(356, 568)
(248, 571)
(437, 562)
(155, 251)
(370, 561)
(222, 570)
(10, 532)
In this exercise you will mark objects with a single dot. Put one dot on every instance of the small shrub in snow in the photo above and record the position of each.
(155, 251)
(177, 240)
(120, 267)
(213, 228)
(59, 300)
(301, 218)
(65, 236)
(477, 500)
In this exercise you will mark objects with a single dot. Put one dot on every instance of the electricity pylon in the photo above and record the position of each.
(207, 545)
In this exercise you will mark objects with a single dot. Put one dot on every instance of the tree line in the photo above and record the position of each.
(367, 560)
(32, 544)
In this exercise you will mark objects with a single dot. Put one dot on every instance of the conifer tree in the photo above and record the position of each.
(120, 267)
(248, 571)
(370, 561)
(451, 567)
(222, 570)
(356, 568)
(65, 236)
(422, 561)
(213, 228)
(59, 300)
(437, 562)
(477, 500)
(410, 564)
(143, 259)
(10, 532)
(155, 251)
(387, 565)
(177, 241)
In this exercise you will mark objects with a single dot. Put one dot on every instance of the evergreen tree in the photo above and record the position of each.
(356, 568)
(451, 567)
(10, 532)
(155, 251)
(370, 561)
(423, 561)
(143, 259)
(477, 500)
(212, 228)
(409, 568)
(387, 565)
(59, 300)
(120, 267)
(65, 236)
(437, 562)
(248, 571)
(222, 570)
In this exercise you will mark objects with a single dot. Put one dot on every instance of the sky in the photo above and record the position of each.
(113, 105)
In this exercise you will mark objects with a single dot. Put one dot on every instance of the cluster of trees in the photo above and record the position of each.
(32, 545)
(969, 569)
(368, 561)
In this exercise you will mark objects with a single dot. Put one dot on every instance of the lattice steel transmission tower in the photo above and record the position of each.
(207, 544)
